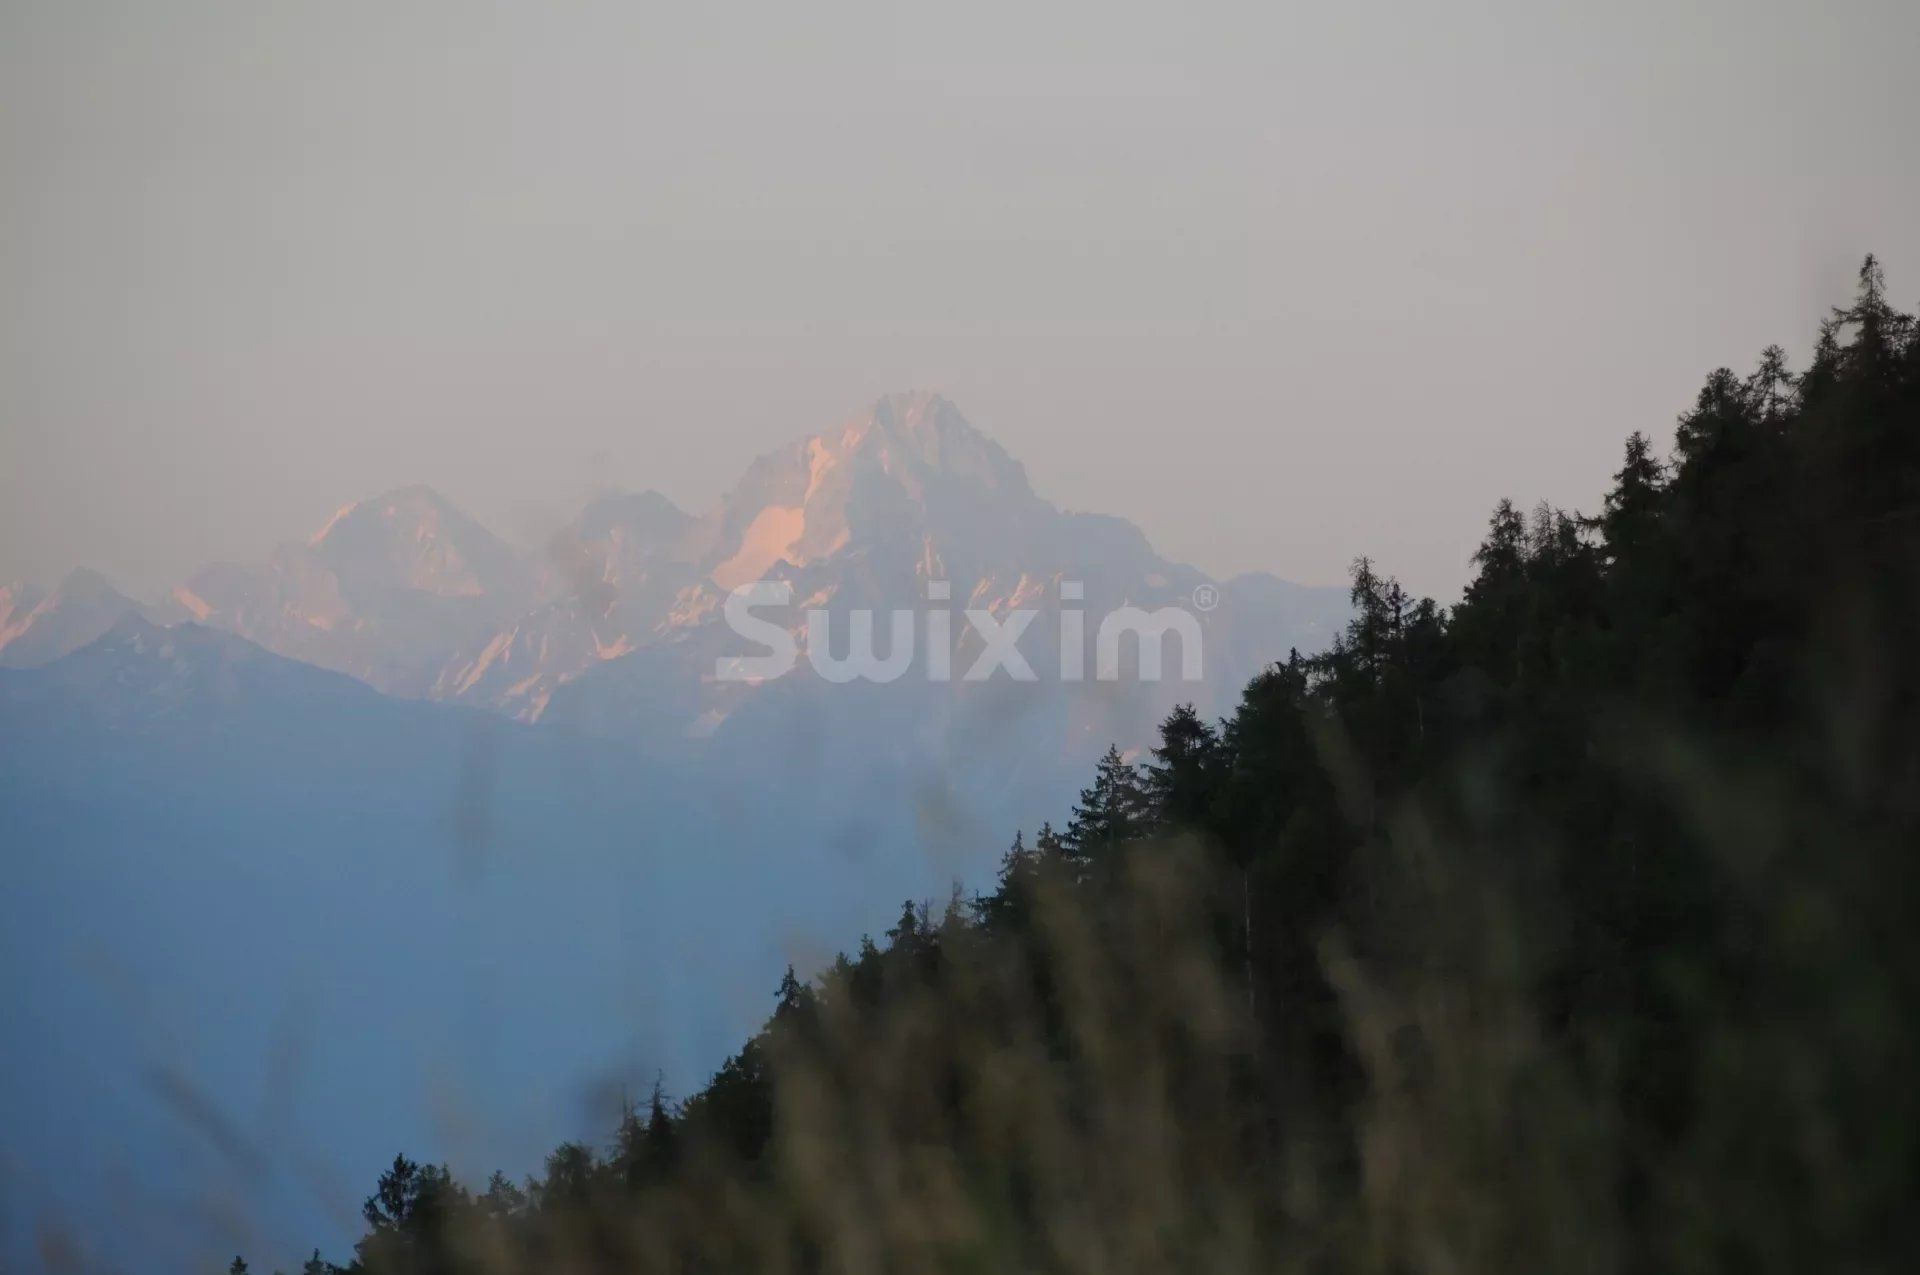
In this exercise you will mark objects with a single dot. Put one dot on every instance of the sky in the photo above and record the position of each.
(1282, 283)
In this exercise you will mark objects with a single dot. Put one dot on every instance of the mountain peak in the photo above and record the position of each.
(906, 467)
(414, 538)
(416, 501)
(36, 627)
(84, 583)
(925, 434)
(916, 410)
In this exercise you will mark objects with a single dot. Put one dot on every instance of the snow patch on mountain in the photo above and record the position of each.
(624, 605)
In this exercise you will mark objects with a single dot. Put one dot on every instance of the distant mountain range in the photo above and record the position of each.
(616, 625)
(562, 846)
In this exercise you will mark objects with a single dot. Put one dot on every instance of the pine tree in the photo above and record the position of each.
(572, 1173)
(1379, 609)
(1111, 813)
(1878, 327)
(1630, 521)
(411, 1216)
(867, 981)
(1009, 908)
(646, 1149)
(502, 1199)
(628, 1137)
(908, 933)
(660, 1144)
(1491, 615)
(735, 1111)
(796, 1010)
(1501, 557)
(1183, 781)
(1771, 387)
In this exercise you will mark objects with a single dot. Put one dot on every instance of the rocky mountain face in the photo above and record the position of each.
(618, 626)
(387, 591)
(37, 627)
(909, 509)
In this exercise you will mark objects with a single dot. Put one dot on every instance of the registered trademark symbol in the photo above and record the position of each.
(1206, 598)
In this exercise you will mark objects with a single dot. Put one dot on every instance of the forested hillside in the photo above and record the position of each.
(1569, 928)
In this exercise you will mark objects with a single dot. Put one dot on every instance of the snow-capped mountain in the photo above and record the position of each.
(37, 627)
(623, 572)
(390, 590)
(616, 625)
(879, 514)
(860, 515)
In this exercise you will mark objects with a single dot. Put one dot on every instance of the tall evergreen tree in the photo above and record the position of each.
(1009, 908)
(1111, 813)
(1182, 788)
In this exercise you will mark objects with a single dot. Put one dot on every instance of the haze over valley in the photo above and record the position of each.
(519, 769)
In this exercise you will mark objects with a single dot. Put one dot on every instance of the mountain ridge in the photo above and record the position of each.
(409, 594)
(38, 626)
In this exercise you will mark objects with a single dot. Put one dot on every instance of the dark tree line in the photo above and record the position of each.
(1567, 928)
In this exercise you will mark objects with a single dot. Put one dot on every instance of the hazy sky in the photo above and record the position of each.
(1282, 283)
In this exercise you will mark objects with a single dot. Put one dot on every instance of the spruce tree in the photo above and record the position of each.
(1183, 781)
(1108, 815)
